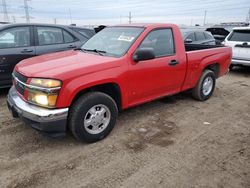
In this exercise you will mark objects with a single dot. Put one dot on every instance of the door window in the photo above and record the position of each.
(68, 38)
(208, 36)
(15, 37)
(161, 41)
(191, 36)
(49, 35)
(84, 32)
(200, 36)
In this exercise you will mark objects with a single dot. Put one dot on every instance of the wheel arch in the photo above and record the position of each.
(215, 67)
(111, 88)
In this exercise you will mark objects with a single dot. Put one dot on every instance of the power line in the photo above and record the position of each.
(207, 5)
(183, 7)
(209, 8)
(167, 4)
(192, 11)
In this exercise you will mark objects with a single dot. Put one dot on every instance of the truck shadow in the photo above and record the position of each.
(186, 95)
(4, 92)
(245, 71)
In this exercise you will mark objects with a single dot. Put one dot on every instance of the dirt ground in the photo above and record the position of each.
(173, 142)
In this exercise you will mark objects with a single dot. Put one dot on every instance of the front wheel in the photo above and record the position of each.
(205, 87)
(92, 117)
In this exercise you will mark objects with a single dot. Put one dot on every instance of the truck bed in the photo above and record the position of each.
(200, 56)
(194, 47)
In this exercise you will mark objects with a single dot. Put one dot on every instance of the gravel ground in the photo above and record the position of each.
(172, 142)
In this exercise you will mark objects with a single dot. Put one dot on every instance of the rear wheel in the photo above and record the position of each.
(205, 87)
(92, 117)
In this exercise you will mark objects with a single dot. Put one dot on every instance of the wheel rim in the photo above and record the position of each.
(207, 85)
(97, 119)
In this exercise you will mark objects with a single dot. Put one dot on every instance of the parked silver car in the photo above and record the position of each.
(239, 40)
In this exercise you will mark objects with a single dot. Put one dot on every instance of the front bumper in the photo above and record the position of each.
(240, 62)
(48, 121)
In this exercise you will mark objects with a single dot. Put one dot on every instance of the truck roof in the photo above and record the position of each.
(147, 25)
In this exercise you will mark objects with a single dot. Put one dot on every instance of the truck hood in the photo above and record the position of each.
(65, 64)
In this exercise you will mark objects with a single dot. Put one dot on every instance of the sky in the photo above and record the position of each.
(96, 12)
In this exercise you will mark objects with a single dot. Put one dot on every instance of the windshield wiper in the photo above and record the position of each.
(100, 52)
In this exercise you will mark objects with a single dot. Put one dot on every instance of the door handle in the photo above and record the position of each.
(71, 46)
(173, 62)
(26, 51)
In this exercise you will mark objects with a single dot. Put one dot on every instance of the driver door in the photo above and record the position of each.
(157, 77)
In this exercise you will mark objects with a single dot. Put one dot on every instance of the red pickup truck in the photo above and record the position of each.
(122, 66)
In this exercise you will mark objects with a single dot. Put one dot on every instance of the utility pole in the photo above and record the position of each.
(191, 22)
(130, 18)
(26, 9)
(70, 16)
(14, 19)
(55, 21)
(205, 16)
(248, 17)
(5, 12)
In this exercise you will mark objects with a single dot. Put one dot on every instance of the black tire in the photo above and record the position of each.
(78, 113)
(197, 92)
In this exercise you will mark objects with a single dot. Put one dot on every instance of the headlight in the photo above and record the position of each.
(47, 83)
(44, 92)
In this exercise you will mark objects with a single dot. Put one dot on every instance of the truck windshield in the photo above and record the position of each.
(112, 41)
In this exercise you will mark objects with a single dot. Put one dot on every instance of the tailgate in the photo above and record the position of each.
(242, 51)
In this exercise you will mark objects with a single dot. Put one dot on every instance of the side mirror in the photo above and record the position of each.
(188, 41)
(143, 54)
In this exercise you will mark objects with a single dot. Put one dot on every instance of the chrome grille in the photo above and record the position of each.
(19, 79)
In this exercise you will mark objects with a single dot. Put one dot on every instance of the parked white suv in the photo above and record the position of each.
(239, 40)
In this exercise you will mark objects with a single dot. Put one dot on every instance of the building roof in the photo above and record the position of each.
(241, 28)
